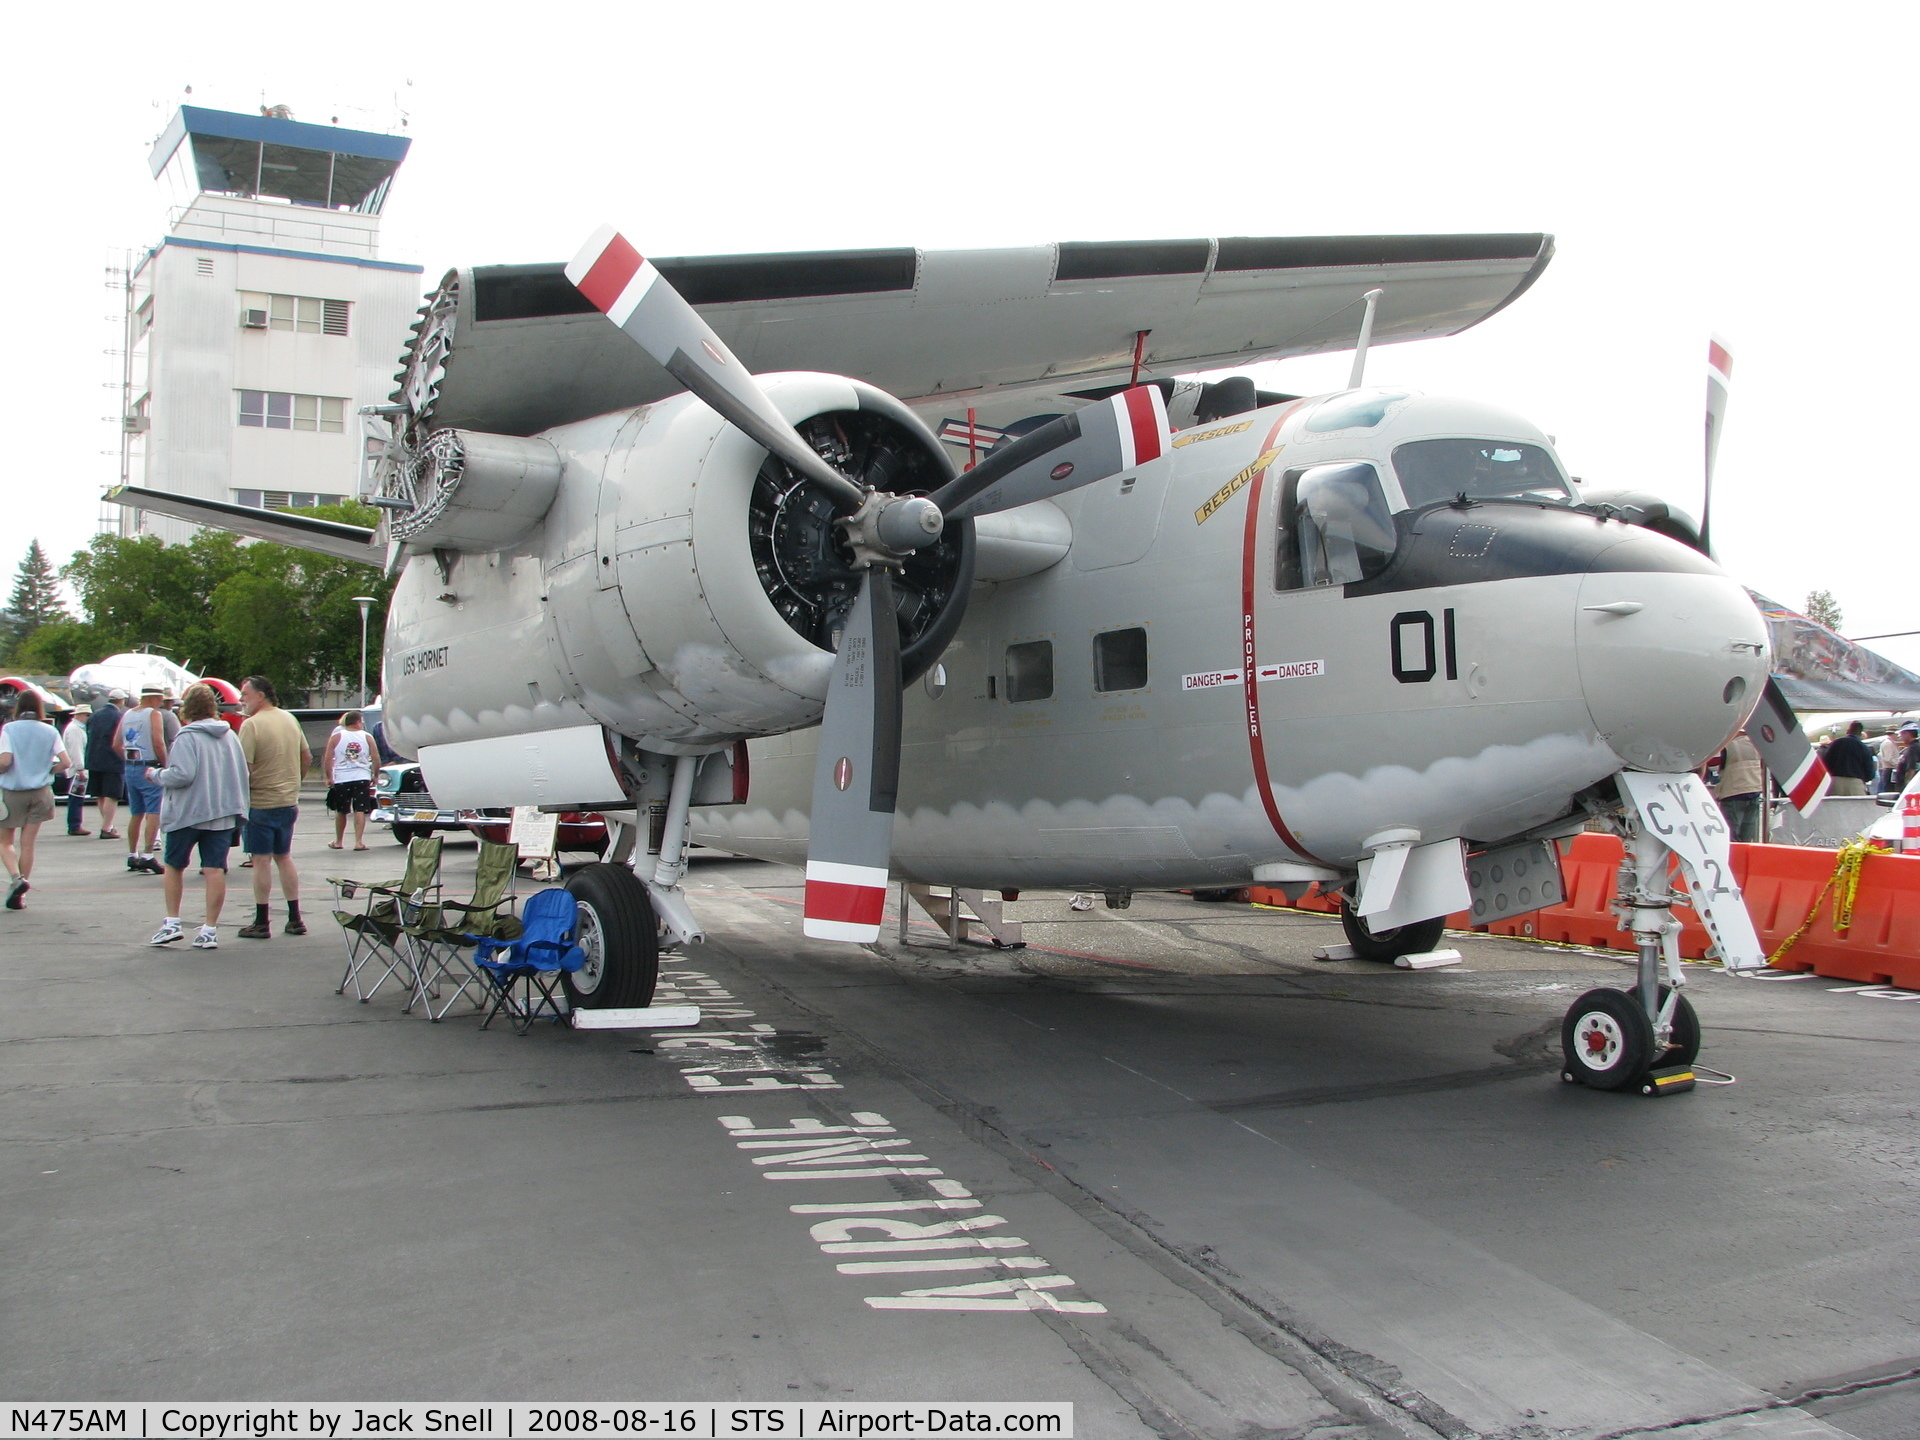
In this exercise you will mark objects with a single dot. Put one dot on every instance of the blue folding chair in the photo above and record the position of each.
(533, 963)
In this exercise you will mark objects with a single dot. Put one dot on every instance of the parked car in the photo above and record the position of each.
(579, 830)
(401, 800)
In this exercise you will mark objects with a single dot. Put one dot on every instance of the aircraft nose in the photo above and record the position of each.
(1670, 662)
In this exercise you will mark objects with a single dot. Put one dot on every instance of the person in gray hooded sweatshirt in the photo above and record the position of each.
(203, 797)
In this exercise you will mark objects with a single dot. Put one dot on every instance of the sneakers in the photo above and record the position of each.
(143, 865)
(294, 927)
(18, 888)
(256, 932)
(79, 832)
(207, 938)
(168, 932)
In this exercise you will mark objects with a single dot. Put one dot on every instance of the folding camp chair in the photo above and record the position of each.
(374, 933)
(442, 937)
(533, 963)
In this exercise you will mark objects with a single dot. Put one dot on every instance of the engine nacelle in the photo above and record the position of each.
(685, 589)
(478, 492)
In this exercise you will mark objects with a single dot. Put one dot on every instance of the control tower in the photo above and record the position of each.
(266, 318)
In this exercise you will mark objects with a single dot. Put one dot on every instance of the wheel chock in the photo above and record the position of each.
(1428, 960)
(1671, 1081)
(653, 1017)
(1333, 952)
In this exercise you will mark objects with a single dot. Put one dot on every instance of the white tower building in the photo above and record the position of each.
(265, 319)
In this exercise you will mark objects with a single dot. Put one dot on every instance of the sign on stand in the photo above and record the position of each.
(535, 832)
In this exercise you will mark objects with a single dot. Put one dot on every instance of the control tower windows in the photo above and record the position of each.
(303, 314)
(277, 410)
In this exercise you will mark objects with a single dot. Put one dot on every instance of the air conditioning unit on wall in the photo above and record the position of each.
(255, 320)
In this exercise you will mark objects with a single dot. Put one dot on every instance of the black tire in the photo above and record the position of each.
(1217, 895)
(406, 834)
(1684, 1048)
(1607, 1040)
(1390, 945)
(621, 938)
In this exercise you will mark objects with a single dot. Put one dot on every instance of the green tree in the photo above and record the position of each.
(228, 607)
(1823, 609)
(35, 602)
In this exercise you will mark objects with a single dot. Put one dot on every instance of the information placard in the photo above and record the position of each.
(534, 832)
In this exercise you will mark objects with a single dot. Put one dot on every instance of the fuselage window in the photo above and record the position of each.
(1334, 527)
(1120, 660)
(1433, 471)
(1030, 671)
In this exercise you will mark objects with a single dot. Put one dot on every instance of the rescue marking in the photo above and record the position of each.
(1195, 437)
(1238, 483)
(1289, 670)
(868, 1227)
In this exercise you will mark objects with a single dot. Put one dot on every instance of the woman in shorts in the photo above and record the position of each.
(30, 753)
(348, 764)
(204, 796)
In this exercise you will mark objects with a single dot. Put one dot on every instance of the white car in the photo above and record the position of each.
(401, 800)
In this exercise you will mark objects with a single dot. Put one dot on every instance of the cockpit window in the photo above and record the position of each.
(1432, 471)
(1355, 409)
(1334, 527)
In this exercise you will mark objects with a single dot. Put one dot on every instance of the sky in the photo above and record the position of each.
(1705, 168)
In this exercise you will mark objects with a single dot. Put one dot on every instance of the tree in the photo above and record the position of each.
(36, 600)
(1823, 609)
(227, 607)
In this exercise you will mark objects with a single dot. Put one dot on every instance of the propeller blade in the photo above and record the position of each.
(1719, 378)
(1789, 755)
(1090, 444)
(625, 286)
(858, 772)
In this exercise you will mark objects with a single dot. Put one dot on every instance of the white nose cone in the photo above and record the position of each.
(1668, 682)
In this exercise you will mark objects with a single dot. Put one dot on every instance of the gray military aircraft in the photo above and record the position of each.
(1154, 633)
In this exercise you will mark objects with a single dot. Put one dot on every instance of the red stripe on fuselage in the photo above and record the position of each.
(1146, 434)
(852, 904)
(1249, 553)
(617, 264)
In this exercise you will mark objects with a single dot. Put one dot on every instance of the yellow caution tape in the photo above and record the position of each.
(1846, 878)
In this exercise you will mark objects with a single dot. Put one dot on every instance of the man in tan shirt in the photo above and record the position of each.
(277, 761)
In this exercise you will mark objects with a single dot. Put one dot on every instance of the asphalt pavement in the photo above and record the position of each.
(1160, 1163)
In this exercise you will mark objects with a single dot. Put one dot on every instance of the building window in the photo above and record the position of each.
(276, 410)
(1030, 671)
(285, 499)
(304, 314)
(1120, 660)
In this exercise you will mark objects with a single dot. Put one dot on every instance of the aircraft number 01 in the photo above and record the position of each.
(1418, 651)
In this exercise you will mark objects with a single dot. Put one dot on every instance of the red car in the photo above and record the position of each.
(579, 829)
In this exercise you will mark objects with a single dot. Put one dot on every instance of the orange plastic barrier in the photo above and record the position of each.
(1780, 884)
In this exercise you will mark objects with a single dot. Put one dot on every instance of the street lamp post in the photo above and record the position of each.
(364, 602)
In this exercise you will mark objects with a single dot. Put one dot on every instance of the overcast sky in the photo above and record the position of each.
(1705, 168)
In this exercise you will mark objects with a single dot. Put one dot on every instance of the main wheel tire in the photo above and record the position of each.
(1606, 1039)
(406, 834)
(1683, 1040)
(1390, 945)
(621, 939)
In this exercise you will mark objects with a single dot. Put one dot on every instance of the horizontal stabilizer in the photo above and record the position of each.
(302, 532)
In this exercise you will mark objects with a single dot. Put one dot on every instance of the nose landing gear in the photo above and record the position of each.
(1646, 1037)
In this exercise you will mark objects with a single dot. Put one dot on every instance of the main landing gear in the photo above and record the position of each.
(1645, 1038)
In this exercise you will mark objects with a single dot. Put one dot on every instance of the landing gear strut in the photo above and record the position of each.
(1645, 1037)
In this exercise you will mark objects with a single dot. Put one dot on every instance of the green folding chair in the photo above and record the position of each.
(442, 938)
(375, 933)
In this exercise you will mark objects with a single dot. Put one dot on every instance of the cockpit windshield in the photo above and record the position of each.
(1334, 527)
(1432, 471)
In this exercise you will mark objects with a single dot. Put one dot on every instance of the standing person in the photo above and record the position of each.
(1887, 758)
(30, 753)
(104, 765)
(1850, 762)
(277, 759)
(348, 765)
(1739, 789)
(205, 797)
(1909, 763)
(73, 740)
(169, 727)
(142, 745)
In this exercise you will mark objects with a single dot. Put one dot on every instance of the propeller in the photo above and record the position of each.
(856, 778)
(1774, 729)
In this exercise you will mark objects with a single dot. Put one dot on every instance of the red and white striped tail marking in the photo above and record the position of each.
(1808, 785)
(844, 902)
(612, 274)
(1142, 413)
